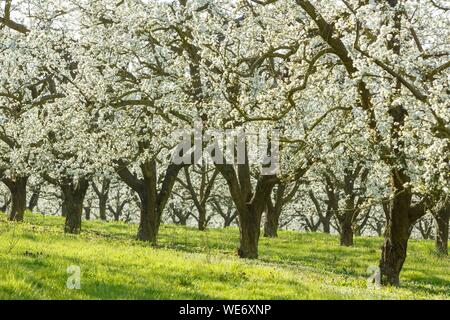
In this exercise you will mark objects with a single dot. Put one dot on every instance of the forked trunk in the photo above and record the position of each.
(249, 205)
(182, 221)
(152, 203)
(73, 203)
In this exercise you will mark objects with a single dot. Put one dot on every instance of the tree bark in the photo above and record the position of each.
(273, 212)
(152, 202)
(442, 225)
(148, 224)
(324, 219)
(18, 189)
(34, 199)
(249, 235)
(64, 208)
(229, 216)
(346, 234)
(182, 222)
(402, 217)
(249, 206)
(102, 207)
(73, 202)
(87, 213)
(395, 240)
(271, 224)
(326, 224)
(201, 218)
(102, 194)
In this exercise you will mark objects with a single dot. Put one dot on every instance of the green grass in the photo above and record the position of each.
(188, 264)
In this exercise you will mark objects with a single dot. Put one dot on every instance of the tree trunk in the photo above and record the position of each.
(183, 221)
(152, 203)
(271, 224)
(229, 218)
(442, 224)
(273, 212)
(326, 225)
(394, 251)
(346, 235)
(18, 189)
(87, 213)
(73, 202)
(33, 200)
(102, 207)
(64, 208)
(397, 231)
(249, 205)
(102, 193)
(249, 235)
(148, 224)
(202, 219)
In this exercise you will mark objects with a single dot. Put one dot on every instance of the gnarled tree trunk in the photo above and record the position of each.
(273, 212)
(442, 225)
(18, 189)
(102, 194)
(326, 220)
(396, 239)
(34, 199)
(272, 222)
(402, 217)
(74, 194)
(201, 218)
(87, 213)
(64, 208)
(148, 224)
(102, 207)
(249, 205)
(346, 234)
(250, 225)
(152, 202)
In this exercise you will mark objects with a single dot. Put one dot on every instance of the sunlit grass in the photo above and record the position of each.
(189, 264)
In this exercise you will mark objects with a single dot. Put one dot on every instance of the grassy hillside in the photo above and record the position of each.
(189, 264)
